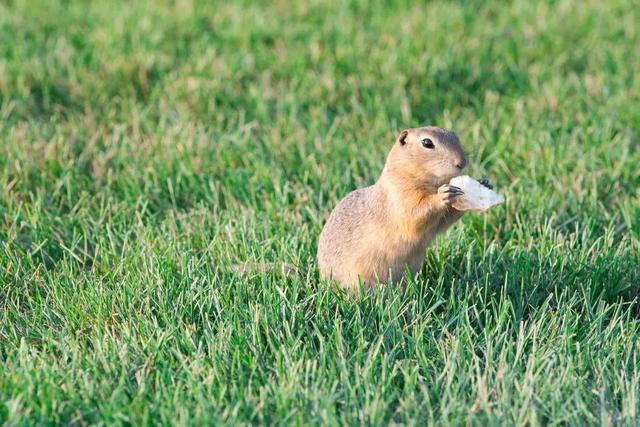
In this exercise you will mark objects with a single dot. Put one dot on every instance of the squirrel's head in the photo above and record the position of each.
(428, 157)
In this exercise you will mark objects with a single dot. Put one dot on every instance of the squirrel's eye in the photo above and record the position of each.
(428, 143)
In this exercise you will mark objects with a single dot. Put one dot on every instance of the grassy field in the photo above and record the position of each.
(146, 147)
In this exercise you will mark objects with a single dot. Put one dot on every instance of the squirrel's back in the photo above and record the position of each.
(347, 224)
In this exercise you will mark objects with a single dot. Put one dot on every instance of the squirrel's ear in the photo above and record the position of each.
(402, 138)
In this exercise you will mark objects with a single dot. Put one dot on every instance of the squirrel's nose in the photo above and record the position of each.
(461, 164)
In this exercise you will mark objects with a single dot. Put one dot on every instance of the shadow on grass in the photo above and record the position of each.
(530, 278)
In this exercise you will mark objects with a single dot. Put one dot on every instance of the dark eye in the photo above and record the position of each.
(428, 143)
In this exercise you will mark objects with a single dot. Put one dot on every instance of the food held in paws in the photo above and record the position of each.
(477, 196)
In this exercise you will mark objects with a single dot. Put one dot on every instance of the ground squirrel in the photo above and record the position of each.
(375, 233)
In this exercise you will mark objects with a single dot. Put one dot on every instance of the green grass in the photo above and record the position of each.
(146, 147)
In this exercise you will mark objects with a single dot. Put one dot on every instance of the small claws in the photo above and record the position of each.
(449, 193)
(485, 182)
(452, 189)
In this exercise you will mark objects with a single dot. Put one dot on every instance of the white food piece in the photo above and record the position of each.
(476, 196)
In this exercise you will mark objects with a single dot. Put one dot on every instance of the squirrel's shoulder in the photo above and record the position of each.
(358, 202)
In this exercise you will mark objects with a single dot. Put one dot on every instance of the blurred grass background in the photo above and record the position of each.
(147, 146)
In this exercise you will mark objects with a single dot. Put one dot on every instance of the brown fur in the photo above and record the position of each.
(377, 232)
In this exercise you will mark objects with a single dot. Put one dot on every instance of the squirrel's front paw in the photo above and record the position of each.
(448, 193)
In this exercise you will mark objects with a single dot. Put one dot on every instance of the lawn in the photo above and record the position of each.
(147, 147)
